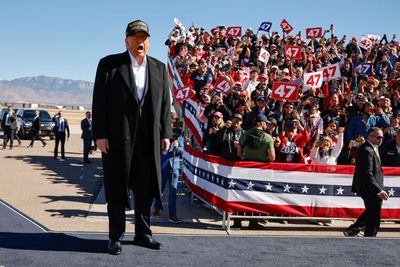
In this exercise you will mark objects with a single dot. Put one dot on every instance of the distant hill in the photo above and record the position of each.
(47, 90)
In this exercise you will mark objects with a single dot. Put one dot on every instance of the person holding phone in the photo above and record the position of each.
(61, 132)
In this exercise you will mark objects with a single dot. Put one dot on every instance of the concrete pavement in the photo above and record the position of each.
(67, 196)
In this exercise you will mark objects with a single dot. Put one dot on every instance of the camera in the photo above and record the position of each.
(289, 126)
(177, 129)
(315, 100)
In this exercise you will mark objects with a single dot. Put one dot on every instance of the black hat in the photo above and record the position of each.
(137, 26)
(272, 120)
(262, 118)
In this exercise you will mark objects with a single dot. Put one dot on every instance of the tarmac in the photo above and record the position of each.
(68, 196)
(53, 213)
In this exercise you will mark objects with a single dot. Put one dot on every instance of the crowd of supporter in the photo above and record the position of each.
(325, 125)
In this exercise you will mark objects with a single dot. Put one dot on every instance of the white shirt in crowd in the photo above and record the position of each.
(327, 158)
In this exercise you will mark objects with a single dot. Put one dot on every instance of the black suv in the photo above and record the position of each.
(25, 120)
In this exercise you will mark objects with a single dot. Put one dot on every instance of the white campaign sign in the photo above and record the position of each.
(264, 56)
(366, 43)
(313, 79)
(179, 24)
(331, 72)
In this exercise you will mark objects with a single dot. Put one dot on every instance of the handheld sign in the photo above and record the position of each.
(264, 56)
(373, 37)
(286, 27)
(265, 26)
(366, 43)
(183, 93)
(330, 72)
(285, 91)
(293, 51)
(231, 52)
(313, 79)
(179, 24)
(235, 31)
(313, 33)
(363, 69)
(223, 85)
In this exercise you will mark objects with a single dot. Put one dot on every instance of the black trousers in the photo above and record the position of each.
(143, 183)
(8, 135)
(87, 143)
(59, 137)
(371, 217)
(35, 136)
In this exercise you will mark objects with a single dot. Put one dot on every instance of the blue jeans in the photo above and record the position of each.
(172, 179)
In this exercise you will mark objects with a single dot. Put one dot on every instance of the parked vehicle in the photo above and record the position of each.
(25, 120)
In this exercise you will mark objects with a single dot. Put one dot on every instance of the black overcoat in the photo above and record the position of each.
(116, 111)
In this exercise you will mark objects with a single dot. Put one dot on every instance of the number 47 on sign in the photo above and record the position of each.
(286, 91)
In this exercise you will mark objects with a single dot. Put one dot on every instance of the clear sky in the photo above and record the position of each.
(67, 38)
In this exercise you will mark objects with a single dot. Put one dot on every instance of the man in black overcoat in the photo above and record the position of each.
(131, 124)
(368, 184)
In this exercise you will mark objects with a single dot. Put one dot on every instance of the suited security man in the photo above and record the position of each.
(368, 184)
(36, 130)
(9, 125)
(131, 109)
(61, 130)
(86, 127)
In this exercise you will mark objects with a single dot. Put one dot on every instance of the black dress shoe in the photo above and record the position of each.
(114, 247)
(351, 232)
(147, 242)
(87, 162)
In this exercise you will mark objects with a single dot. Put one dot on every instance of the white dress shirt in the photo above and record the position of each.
(376, 149)
(139, 73)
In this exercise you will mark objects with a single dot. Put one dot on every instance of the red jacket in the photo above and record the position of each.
(300, 139)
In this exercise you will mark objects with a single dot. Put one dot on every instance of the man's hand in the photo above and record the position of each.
(102, 145)
(383, 195)
(164, 144)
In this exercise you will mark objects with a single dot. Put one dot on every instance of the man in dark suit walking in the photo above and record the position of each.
(61, 130)
(131, 124)
(9, 125)
(368, 184)
(86, 127)
(36, 130)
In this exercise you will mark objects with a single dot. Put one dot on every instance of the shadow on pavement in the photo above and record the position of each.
(50, 242)
(86, 177)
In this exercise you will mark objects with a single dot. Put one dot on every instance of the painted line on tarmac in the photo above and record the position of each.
(24, 216)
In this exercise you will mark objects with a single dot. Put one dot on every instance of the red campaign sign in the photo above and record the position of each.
(314, 33)
(235, 31)
(293, 51)
(183, 93)
(285, 91)
(223, 85)
(286, 27)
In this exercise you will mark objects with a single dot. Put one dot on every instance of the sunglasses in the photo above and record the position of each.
(379, 137)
